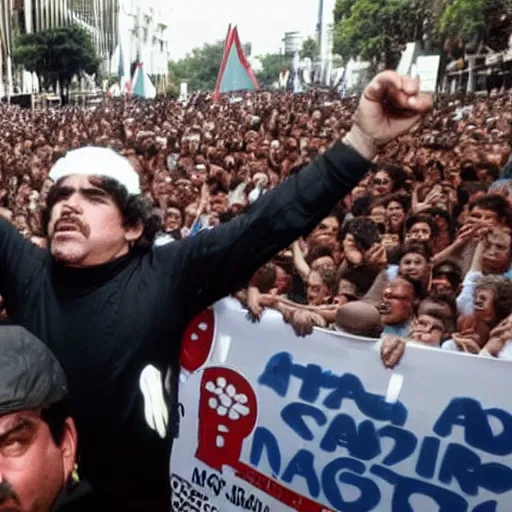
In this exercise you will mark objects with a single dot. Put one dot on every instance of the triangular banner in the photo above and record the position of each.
(235, 73)
(142, 86)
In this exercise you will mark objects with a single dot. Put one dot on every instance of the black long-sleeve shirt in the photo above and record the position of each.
(106, 324)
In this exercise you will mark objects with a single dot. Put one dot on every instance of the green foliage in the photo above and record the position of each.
(199, 69)
(272, 64)
(310, 49)
(57, 55)
(375, 30)
(478, 21)
(464, 18)
(342, 9)
(172, 90)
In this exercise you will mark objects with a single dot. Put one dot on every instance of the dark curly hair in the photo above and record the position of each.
(417, 248)
(422, 217)
(134, 209)
(364, 231)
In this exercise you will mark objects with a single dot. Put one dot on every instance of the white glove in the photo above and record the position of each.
(155, 405)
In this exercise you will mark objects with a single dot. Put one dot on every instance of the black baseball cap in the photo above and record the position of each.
(30, 375)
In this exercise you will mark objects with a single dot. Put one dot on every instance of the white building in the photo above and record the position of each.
(143, 36)
(99, 17)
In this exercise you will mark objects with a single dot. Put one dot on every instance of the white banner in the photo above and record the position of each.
(427, 68)
(272, 422)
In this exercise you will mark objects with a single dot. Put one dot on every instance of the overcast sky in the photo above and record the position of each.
(260, 22)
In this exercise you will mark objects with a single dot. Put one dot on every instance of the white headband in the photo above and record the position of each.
(96, 161)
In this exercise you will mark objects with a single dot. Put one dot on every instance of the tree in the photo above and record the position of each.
(272, 65)
(310, 49)
(377, 30)
(200, 68)
(478, 22)
(57, 55)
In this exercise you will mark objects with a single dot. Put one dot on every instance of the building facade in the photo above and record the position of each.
(143, 35)
(99, 17)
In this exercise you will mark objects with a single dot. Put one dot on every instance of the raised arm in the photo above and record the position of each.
(299, 261)
(217, 262)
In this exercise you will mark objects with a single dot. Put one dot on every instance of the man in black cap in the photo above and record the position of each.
(111, 306)
(38, 438)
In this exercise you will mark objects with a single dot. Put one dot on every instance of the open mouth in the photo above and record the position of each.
(67, 227)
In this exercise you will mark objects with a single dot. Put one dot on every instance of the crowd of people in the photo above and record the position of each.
(424, 239)
(420, 250)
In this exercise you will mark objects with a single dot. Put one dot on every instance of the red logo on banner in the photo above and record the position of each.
(197, 341)
(228, 410)
(227, 415)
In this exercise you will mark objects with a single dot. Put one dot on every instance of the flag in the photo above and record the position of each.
(235, 72)
(142, 85)
(124, 79)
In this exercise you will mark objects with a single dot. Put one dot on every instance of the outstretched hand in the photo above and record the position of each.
(390, 106)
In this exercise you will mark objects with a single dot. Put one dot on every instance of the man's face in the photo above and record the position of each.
(317, 290)
(432, 174)
(427, 329)
(442, 285)
(498, 252)
(322, 262)
(378, 215)
(395, 214)
(86, 227)
(382, 184)
(219, 203)
(346, 290)
(397, 303)
(414, 266)
(484, 305)
(326, 230)
(419, 232)
(33, 468)
(173, 219)
(282, 280)
(483, 175)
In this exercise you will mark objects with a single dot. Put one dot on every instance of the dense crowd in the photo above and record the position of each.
(421, 249)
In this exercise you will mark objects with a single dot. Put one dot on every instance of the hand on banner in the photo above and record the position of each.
(254, 308)
(390, 106)
(303, 322)
(498, 337)
(467, 341)
(392, 350)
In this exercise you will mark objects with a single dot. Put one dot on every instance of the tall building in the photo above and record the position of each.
(292, 42)
(99, 17)
(325, 25)
(143, 36)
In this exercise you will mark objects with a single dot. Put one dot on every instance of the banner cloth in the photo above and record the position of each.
(274, 423)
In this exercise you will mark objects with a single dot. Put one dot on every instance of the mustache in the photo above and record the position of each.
(8, 493)
(75, 221)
